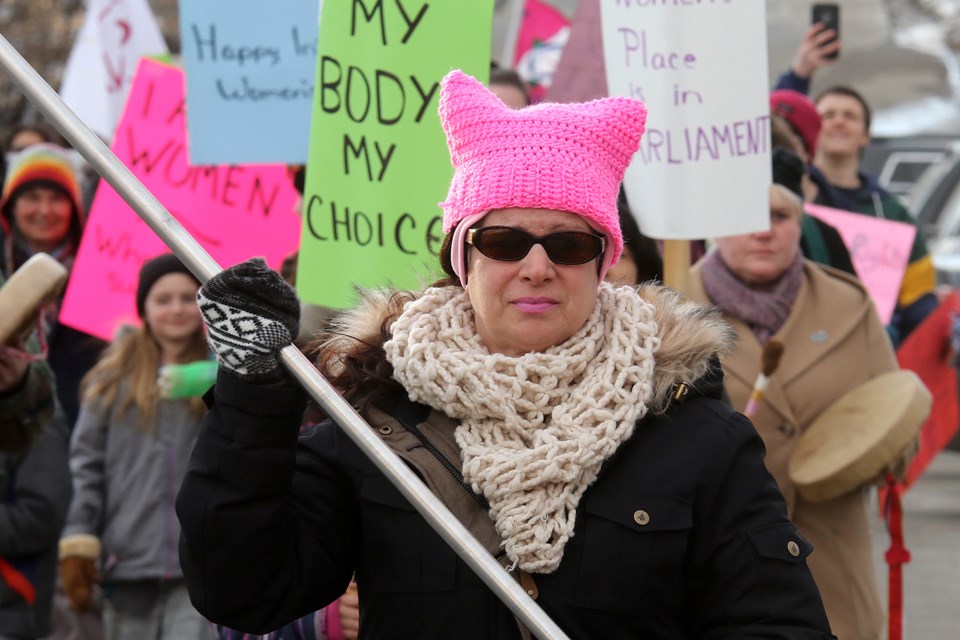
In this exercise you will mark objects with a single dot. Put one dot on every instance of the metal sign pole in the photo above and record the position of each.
(195, 257)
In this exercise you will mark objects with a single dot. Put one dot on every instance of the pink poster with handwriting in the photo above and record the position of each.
(879, 249)
(235, 212)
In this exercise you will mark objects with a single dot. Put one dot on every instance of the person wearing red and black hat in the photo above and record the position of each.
(801, 114)
(41, 211)
(795, 125)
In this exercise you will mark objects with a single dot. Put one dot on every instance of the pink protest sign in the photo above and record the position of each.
(879, 249)
(235, 212)
(543, 34)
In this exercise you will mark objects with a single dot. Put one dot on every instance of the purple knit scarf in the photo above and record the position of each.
(764, 309)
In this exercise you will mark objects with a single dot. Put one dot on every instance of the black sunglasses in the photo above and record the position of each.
(563, 247)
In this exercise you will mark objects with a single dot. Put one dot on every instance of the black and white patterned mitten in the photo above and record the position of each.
(251, 314)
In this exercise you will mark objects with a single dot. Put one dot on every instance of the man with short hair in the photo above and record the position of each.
(844, 134)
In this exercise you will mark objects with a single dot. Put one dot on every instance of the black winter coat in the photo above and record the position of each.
(34, 496)
(683, 535)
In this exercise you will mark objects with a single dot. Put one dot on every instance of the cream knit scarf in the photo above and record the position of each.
(534, 429)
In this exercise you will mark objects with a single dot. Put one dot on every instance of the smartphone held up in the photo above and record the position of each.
(827, 14)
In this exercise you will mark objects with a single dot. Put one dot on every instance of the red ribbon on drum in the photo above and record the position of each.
(897, 556)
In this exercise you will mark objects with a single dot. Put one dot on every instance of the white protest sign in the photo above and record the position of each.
(703, 168)
(99, 70)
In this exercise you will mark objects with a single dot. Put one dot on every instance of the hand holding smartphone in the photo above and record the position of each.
(827, 14)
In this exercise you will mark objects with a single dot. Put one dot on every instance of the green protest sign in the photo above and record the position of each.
(378, 162)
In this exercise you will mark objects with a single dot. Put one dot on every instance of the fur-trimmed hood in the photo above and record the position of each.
(691, 334)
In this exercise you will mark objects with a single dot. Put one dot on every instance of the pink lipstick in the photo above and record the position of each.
(535, 305)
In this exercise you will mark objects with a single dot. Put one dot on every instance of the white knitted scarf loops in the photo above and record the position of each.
(534, 429)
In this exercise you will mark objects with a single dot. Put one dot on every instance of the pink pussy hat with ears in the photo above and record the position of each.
(562, 156)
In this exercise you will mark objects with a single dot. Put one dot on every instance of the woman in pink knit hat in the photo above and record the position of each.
(574, 427)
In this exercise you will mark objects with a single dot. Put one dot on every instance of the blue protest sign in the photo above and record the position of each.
(250, 68)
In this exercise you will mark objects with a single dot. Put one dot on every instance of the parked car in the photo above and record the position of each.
(899, 163)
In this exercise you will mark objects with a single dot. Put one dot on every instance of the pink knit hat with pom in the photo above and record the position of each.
(567, 157)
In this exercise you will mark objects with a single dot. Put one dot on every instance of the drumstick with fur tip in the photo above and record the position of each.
(769, 361)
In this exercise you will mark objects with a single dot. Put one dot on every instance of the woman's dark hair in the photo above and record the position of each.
(356, 365)
(509, 78)
(642, 248)
(788, 170)
(359, 369)
(446, 262)
(46, 133)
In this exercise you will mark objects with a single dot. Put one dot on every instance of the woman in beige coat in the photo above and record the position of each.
(833, 341)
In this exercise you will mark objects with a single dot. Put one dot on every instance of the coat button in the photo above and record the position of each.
(793, 548)
(385, 430)
(641, 517)
(788, 429)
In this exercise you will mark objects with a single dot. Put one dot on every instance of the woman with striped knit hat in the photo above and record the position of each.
(41, 206)
(41, 211)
